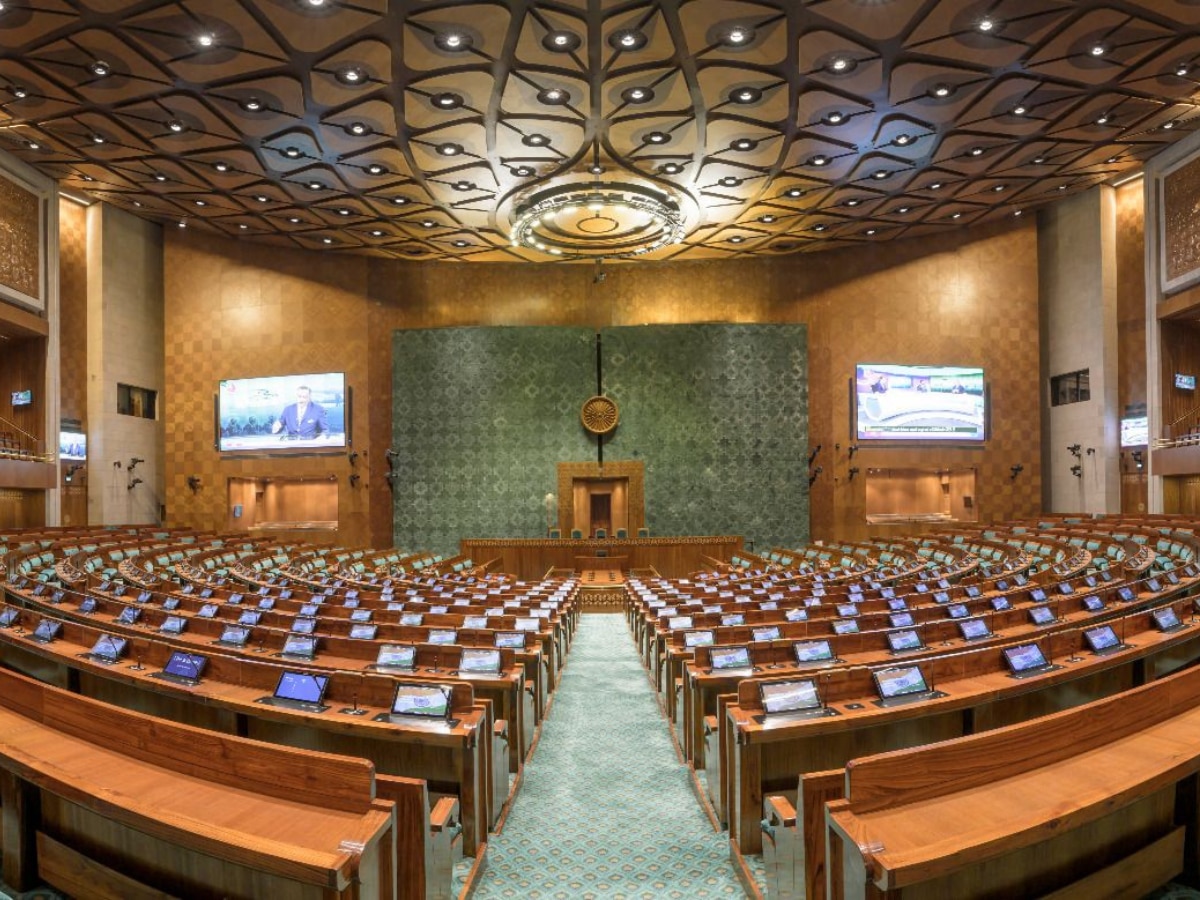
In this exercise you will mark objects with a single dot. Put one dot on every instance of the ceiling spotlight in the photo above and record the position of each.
(561, 41)
(743, 144)
(160, 177)
(819, 227)
(464, 186)
(794, 192)
(766, 219)
(819, 160)
(853, 201)
(1111, 160)
(221, 166)
(376, 169)
(737, 36)
(207, 39)
(315, 186)
(34, 145)
(100, 68)
(88, 178)
(399, 201)
(834, 118)
(327, 240)
(358, 129)
(941, 91)
(241, 226)
(19, 92)
(1167, 126)
(449, 149)
(902, 210)
(446, 100)
(535, 140)
(976, 151)
(1019, 110)
(182, 223)
(657, 137)
(1017, 212)
(1102, 119)
(998, 188)
(97, 139)
(736, 239)
(840, 65)
(956, 215)
(745, 95)
(554, 97)
(637, 95)
(262, 198)
(314, 4)
(627, 39)
(295, 220)
(596, 169)
(935, 185)
(351, 75)
(1062, 187)
(869, 231)
(672, 169)
(1098, 49)
(902, 140)
(453, 41)
(428, 223)
(461, 243)
(176, 126)
(987, 25)
(880, 174)
(342, 211)
(1038, 160)
(1182, 69)
(729, 181)
(201, 203)
(524, 171)
(375, 232)
(292, 153)
(252, 104)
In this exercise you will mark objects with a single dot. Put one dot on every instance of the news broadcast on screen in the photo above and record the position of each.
(920, 403)
(282, 412)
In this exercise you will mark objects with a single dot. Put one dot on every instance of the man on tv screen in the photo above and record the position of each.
(302, 420)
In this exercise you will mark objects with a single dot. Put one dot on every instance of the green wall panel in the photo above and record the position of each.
(719, 416)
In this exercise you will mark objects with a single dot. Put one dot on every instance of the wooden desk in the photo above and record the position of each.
(673, 557)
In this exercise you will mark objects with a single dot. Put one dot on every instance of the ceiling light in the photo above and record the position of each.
(207, 39)
(852, 202)
(657, 137)
(241, 226)
(1098, 49)
(535, 140)
(446, 100)
(976, 151)
(295, 220)
(464, 186)
(1111, 160)
(987, 25)
(1182, 69)
(327, 240)
(262, 198)
(554, 97)
(88, 178)
(34, 145)
(376, 233)
(19, 92)
(1062, 187)
(819, 160)
(351, 75)
(376, 169)
(176, 126)
(596, 169)
(524, 171)
(902, 140)
(100, 68)
(819, 227)
(1038, 160)
(315, 186)
(737, 36)
(743, 144)
(252, 104)
(935, 185)
(869, 231)
(834, 118)
(358, 129)
(314, 4)
(461, 243)
(794, 192)
(292, 153)
(342, 211)
(1019, 110)
(221, 166)
(160, 177)
(745, 95)
(736, 239)
(941, 91)
(428, 223)
(729, 181)
(97, 139)
(449, 149)
(1017, 212)
(1102, 119)
(672, 169)
(840, 65)
(902, 210)
(880, 173)
(998, 188)
(766, 219)
(453, 41)
(637, 95)
(1167, 126)
(627, 39)
(956, 215)
(182, 224)
(561, 41)
(399, 201)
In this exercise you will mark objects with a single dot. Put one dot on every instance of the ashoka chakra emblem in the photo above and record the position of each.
(599, 415)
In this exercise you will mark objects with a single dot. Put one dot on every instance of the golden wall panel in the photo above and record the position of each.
(20, 240)
(967, 298)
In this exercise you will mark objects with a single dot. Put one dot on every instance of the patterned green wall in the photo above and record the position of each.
(718, 414)
(481, 417)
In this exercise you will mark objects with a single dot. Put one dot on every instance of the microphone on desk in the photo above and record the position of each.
(137, 667)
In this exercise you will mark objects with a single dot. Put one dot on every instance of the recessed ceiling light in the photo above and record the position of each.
(766, 219)
(956, 215)
(834, 118)
(1017, 212)
(627, 39)
(316, 186)
(453, 41)
(1111, 160)
(358, 129)
(935, 185)
(100, 68)
(819, 227)
(376, 169)
(34, 145)
(869, 231)
(1182, 69)
(160, 177)
(853, 201)
(182, 224)
(88, 178)
(554, 96)
(252, 104)
(672, 169)
(902, 140)
(657, 137)
(464, 186)
(637, 95)
(1167, 126)
(1102, 119)
(446, 100)
(449, 149)
(97, 139)
(327, 240)
(19, 92)
(461, 243)
(941, 91)
(206, 39)
(292, 152)
(1098, 49)
(998, 188)
(243, 226)
(745, 95)
(295, 220)
(729, 181)
(314, 4)
(736, 239)
(1062, 187)
(819, 160)
(201, 203)
(987, 25)
(902, 210)
(176, 126)
(524, 171)
(737, 36)
(743, 144)
(840, 65)
(376, 233)
(794, 192)
(535, 140)
(1019, 110)
(880, 173)
(221, 166)
(976, 151)
(399, 201)
(1038, 160)
(428, 223)
(262, 198)
(561, 41)
(342, 211)
(351, 75)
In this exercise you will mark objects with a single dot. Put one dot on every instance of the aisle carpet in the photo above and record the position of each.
(606, 809)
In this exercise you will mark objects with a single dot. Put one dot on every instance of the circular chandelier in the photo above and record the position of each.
(597, 220)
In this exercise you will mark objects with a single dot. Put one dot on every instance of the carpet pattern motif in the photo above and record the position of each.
(606, 809)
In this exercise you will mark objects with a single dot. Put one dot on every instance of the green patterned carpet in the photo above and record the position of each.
(606, 809)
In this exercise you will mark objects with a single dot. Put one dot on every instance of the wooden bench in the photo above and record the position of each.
(102, 802)
(1100, 800)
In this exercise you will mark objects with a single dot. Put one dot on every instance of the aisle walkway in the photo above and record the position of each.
(606, 809)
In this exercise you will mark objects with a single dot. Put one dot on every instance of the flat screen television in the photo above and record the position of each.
(25, 397)
(1183, 382)
(903, 403)
(283, 412)
(72, 445)
(1135, 431)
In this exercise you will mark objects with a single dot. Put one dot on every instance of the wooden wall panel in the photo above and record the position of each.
(968, 297)
(73, 356)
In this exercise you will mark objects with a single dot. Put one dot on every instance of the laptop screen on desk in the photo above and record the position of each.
(698, 639)
(397, 656)
(303, 686)
(185, 665)
(300, 645)
(1024, 657)
(812, 651)
(732, 657)
(512, 639)
(788, 696)
(109, 647)
(424, 701)
(479, 660)
(898, 681)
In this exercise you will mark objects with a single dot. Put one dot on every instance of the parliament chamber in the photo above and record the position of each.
(468, 448)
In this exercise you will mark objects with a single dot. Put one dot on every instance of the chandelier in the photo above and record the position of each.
(597, 221)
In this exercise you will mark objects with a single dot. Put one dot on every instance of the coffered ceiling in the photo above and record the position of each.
(426, 129)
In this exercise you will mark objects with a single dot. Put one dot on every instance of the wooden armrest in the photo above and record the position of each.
(500, 729)
(444, 815)
(710, 724)
(778, 812)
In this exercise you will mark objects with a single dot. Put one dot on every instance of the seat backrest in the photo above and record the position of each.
(555, 533)
(601, 532)
(643, 532)
(622, 533)
(576, 533)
